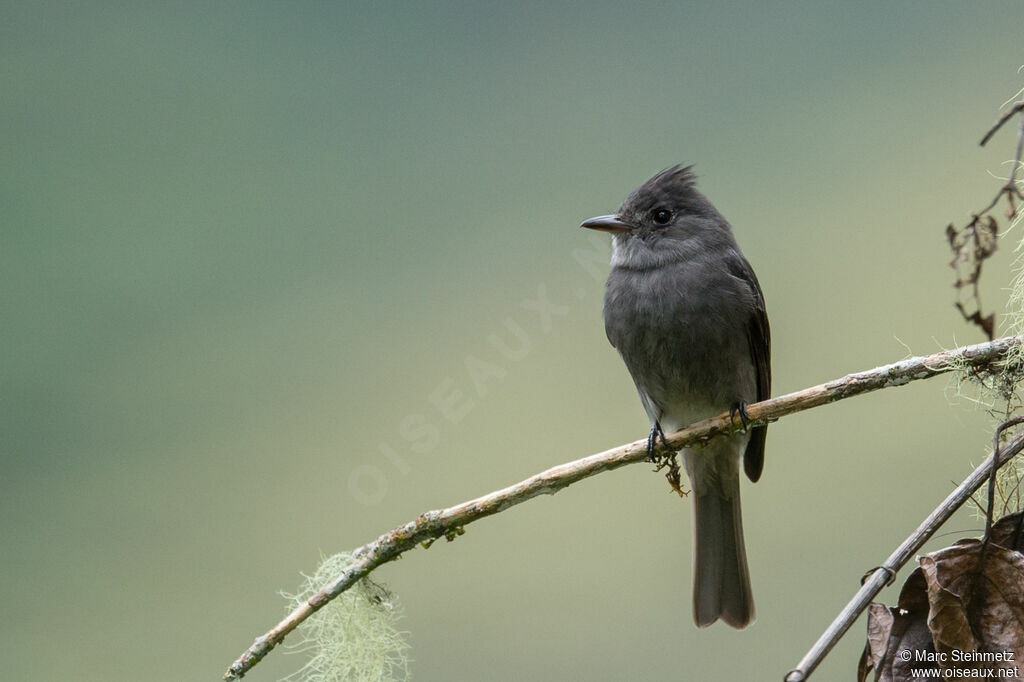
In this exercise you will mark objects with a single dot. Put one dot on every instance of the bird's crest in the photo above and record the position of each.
(672, 187)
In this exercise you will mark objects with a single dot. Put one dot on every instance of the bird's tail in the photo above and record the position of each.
(721, 580)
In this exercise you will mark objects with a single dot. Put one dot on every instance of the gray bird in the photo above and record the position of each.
(686, 313)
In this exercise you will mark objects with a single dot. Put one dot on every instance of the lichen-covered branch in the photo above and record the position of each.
(450, 522)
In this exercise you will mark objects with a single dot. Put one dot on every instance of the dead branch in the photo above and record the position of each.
(885, 574)
(450, 522)
(975, 242)
(1003, 118)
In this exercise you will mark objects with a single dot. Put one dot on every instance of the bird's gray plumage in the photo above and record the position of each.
(685, 311)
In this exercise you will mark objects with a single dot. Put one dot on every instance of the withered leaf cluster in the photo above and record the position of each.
(972, 245)
(960, 611)
(975, 242)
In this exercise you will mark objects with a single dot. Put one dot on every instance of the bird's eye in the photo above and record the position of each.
(661, 215)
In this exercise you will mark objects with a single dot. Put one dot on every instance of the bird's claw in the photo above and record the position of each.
(739, 408)
(652, 440)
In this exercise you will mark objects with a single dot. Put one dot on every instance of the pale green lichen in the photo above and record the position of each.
(1000, 392)
(1013, 319)
(354, 637)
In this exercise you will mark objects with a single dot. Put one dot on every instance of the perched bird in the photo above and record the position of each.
(686, 313)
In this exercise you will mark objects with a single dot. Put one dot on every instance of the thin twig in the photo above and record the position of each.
(1011, 182)
(975, 242)
(1010, 188)
(1003, 118)
(450, 522)
(990, 511)
(883, 575)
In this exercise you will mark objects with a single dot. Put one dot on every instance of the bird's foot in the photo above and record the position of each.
(665, 458)
(739, 408)
(652, 441)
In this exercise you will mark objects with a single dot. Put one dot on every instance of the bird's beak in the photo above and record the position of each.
(607, 223)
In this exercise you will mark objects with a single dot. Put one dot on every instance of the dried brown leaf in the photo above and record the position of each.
(972, 245)
(950, 583)
(880, 619)
(976, 606)
(986, 237)
(1008, 531)
(988, 325)
(964, 602)
(892, 632)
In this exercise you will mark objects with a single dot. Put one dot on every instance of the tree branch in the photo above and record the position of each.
(1010, 188)
(1001, 121)
(885, 574)
(450, 522)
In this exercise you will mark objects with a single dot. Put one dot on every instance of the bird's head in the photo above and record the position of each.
(661, 220)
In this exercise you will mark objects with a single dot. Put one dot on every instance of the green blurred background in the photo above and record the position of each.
(244, 244)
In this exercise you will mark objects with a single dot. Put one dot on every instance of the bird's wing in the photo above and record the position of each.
(759, 340)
